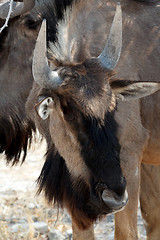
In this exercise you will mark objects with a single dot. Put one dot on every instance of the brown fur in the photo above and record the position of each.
(139, 61)
(16, 47)
(138, 120)
(150, 201)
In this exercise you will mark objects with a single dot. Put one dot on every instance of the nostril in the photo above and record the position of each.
(114, 201)
(117, 186)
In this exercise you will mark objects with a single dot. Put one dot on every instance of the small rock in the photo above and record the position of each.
(41, 227)
(31, 206)
(19, 227)
(68, 234)
(55, 235)
(36, 233)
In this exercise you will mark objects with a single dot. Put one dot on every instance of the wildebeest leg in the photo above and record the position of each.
(150, 200)
(82, 235)
(126, 224)
(126, 220)
(133, 138)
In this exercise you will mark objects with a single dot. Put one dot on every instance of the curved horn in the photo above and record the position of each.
(41, 71)
(111, 53)
(18, 8)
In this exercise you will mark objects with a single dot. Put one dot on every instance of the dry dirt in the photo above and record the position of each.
(23, 215)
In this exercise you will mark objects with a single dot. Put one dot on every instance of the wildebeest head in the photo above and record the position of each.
(77, 103)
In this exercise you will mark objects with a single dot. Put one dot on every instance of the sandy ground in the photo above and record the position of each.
(23, 215)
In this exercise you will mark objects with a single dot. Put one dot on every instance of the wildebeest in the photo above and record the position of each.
(90, 131)
(16, 47)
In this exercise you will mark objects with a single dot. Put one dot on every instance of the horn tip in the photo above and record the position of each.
(44, 22)
(42, 29)
(119, 5)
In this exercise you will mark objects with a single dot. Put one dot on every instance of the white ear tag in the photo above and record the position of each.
(44, 108)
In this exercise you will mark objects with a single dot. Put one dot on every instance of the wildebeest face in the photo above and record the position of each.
(80, 114)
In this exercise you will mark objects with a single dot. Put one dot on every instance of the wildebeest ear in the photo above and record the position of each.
(127, 90)
(44, 107)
